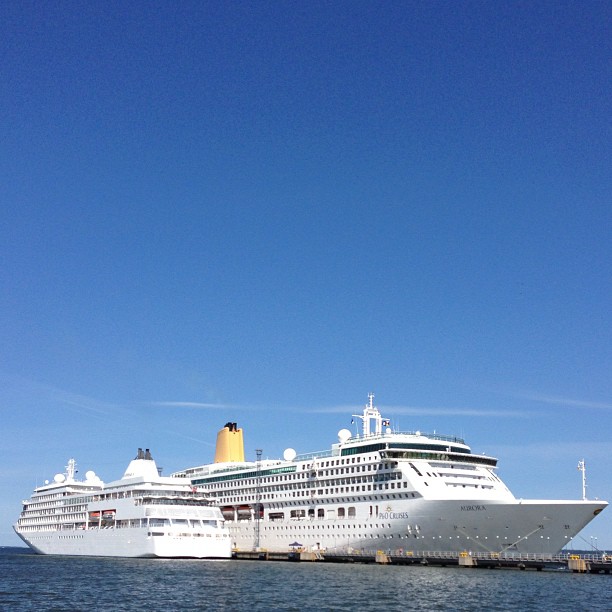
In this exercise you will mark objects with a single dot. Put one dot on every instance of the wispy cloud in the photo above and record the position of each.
(595, 451)
(82, 402)
(191, 438)
(24, 389)
(178, 404)
(456, 411)
(27, 390)
(424, 411)
(344, 409)
(563, 401)
(544, 398)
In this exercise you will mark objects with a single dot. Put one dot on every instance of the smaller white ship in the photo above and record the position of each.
(143, 514)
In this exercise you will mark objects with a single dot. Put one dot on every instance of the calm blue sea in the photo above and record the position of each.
(32, 582)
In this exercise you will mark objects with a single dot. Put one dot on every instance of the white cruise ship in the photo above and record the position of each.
(142, 515)
(381, 490)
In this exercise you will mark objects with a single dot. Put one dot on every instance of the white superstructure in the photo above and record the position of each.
(382, 489)
(143, 514)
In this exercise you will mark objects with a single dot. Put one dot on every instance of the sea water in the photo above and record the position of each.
(33, 582)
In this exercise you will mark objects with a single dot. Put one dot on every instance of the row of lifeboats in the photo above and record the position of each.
(242, 512)
(106, 515)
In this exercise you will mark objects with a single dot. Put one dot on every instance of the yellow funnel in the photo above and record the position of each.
(230, 446)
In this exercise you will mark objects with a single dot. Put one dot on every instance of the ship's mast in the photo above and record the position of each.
(70, 470)
(370, 412)
(582, 468)
(258, 452)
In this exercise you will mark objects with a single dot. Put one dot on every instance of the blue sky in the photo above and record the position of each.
(262, 211)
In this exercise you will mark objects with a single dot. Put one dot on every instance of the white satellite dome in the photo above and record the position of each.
(59, 478)
(90, 475)
(344, 435)
(289, 454)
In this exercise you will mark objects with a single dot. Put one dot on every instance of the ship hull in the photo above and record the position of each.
(118, 543)
(533, 526)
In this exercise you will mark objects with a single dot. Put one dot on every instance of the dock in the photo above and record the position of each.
(598, 563)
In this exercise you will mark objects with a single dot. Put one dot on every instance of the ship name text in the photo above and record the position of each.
(392, 515)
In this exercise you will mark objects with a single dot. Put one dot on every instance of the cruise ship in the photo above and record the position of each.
(381, 490)
(143, 514)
